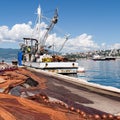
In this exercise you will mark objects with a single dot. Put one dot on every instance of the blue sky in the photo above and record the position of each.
(94, 23)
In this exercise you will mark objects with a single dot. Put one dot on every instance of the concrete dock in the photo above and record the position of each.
(89, 97)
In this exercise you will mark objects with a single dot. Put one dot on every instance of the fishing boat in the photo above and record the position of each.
(35, 53)
(103, 58)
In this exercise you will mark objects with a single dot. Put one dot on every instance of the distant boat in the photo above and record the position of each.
(102, 58)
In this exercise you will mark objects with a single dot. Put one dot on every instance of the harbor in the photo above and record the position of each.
(49, 73)
(75, 94)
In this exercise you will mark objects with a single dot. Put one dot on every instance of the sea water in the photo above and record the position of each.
(105, 73)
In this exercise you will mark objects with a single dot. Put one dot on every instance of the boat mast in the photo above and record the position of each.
(38, 25)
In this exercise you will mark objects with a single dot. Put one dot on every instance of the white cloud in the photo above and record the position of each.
(80, 43)
(83, 42)
(3, 32)
(115, 46)
(17, 32)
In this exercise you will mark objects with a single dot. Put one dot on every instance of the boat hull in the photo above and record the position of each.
(56, 67)
(104, 59)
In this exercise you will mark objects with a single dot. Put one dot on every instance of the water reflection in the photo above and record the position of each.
(102, 72)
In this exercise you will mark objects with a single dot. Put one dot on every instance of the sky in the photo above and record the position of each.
(92, 24)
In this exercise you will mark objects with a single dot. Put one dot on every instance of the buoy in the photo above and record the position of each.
(71, 108)
(43, 97)
(97, 117)
(81, 70)
(104, 116)
(78, 111)
(118, 117)
(110, 116)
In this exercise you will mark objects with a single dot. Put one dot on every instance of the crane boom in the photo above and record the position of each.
(66, 38)
(53, 22)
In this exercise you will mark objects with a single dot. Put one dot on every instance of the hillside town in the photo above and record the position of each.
(90, 54)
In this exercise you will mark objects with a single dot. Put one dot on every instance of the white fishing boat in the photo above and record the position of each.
(107, 58)
(104, 58)
(36, 54)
